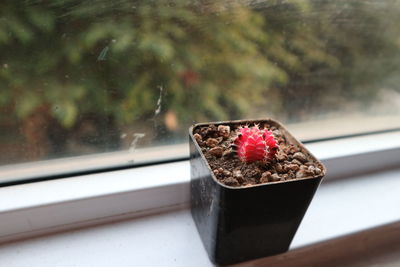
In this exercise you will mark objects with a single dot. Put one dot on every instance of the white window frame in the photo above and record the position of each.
(38, 208)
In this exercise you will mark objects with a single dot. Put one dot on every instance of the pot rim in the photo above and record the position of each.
(286, 133)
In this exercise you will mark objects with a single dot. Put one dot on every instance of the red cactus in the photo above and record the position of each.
(254, 144)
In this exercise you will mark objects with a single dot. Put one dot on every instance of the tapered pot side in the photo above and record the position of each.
(242, 223)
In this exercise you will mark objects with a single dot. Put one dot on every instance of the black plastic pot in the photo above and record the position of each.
(242, 223)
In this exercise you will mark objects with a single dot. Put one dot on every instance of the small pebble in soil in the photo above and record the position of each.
(292, 149)
(281, 156)
(292, 167)
(300, 157)
(231, 181)
(302, 172)
(224, 131)
(237, 174)
(295, 161)
(278, 167)
(216, 151)
(198, 138)
(310, 170)
(256, 172)
(212, 142)
(265, 177)
(275, 177)
(226, 173)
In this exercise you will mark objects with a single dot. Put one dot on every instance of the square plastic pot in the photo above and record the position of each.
(243, 223)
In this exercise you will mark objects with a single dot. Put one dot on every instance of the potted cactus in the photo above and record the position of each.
(251, 184)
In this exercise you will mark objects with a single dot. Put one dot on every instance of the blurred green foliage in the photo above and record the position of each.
(206, 60)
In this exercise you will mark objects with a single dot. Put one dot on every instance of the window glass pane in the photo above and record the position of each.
(95, 76)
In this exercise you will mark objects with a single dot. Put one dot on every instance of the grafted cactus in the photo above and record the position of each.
(255, 144)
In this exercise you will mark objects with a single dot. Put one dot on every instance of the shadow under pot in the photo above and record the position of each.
(257, 215)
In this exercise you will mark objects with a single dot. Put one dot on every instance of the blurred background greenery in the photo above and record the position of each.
(79, 77)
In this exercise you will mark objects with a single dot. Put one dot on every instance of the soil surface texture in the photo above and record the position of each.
(217, 145)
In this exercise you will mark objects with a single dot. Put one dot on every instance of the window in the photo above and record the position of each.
(127, 78)
(101, 84)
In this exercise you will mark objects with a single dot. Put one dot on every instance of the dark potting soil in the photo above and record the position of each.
(289, 162)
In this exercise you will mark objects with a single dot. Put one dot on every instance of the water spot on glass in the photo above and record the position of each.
(5, 65)
(123, 135)
(136, 138)
(103, 54)
(66, 76)
(157, 111)
(113, 41)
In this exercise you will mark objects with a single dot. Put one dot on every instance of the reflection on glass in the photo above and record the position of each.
(81, 77)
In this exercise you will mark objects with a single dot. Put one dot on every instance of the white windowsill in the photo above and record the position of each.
(52, 206)
(340, 207)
